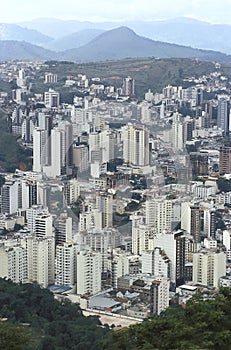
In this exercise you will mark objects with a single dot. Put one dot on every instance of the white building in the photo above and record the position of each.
(159, 295)
(40, 259)
(155, 262)
(89, 267)
(208, 267)
(51, 98)
(13, 263)
(136, 145)
(66, 264)
(43, 225)
(159, 214)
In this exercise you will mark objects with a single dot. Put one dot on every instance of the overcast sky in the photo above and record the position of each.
(107, 10)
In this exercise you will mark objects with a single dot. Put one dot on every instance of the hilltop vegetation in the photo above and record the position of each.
(44, 323)
(200, 325)
(149, 73)
(35, 320)
(12, 156)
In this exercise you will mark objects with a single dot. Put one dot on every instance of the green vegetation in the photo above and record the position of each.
(12, 156)
(148, 72)
(40, 321)
(224, 185)
(201, 325)
(13, 336)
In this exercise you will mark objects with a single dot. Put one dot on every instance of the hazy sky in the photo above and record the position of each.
(98, 10)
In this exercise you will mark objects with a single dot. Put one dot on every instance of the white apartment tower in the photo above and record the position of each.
(159, 214)
(43, 225)
(159, 295)
(66, 264)
(40, 259)
(89, 268)
(13, 264)
(51, 98)
(136, 145)
(208, 267)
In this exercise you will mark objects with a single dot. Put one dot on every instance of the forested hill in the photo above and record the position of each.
(37, 321)
(201, 325)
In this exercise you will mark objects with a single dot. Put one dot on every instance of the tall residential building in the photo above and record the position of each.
(223, 112)
(191, 220)
(32, 213)
(9, 197)
(159, 295)
(122, 263)
(43, 225)
(89, 268)
(159, 214)
(13, 263)
(174, 245)
(104, 205)
(225, 158)
(155, 262)
(208, 267)
(63, 229)
(90, 219)
(142, 237)
(40, 259)
(136, 146)
(50, 78)
(40, 149)
(128, 88)
(66, 264)
(51, 98)
(81, 157)
(60, 143)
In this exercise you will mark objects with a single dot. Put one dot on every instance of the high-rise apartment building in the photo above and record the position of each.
(128, 88)
(136, 146)
(159, 295)
(208, 267)
(225, 158)
(13, 263)
(89, 268)
(66, 264)
(51, 98)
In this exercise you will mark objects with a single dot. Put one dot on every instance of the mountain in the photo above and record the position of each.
(73, 40)
(114, 44)
(16, 32)
(122, 42)
(182, 31)
(57, 28)
(187, 31)
(21, 50)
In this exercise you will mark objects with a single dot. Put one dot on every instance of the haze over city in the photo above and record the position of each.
(116, 10)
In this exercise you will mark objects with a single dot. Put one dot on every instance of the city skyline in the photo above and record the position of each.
(116, 11)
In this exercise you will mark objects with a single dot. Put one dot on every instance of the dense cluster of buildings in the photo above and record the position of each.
(123, 208)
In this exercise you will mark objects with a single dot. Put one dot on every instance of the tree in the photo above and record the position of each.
(13, 336)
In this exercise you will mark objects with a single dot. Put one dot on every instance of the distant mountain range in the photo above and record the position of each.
(21, 50)
(113, 44)
(182, 31)
(73, 40)
(16, 32)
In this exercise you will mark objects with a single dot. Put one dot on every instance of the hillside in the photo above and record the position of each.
(122, 42)
(73, 40)
(114, 44)
(21, 50)
(202, 324)
(15, 32)
(147, 72)
(49, 324)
